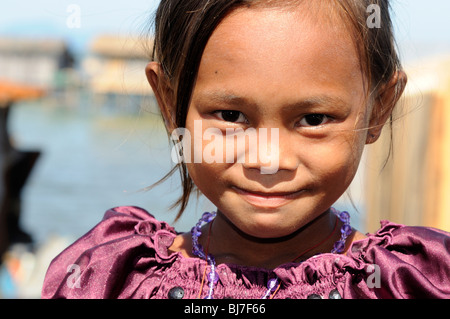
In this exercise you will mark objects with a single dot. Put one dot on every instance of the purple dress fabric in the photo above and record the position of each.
(126, 256)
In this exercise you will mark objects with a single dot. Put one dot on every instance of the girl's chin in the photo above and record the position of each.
(265, 226)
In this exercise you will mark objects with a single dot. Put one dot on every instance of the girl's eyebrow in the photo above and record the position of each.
(328, 101)
(229, 99)
(223, 98)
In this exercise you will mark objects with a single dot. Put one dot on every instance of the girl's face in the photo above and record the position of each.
(299, 73)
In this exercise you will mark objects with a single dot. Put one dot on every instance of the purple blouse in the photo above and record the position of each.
(126, 256)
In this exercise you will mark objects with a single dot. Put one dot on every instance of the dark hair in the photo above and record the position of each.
(183, 28)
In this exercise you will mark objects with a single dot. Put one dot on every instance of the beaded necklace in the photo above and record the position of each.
(273, 285)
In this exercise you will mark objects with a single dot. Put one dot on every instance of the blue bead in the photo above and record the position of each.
(198, 251)
(196, 232)
(339, 246)
(346, 229)
(344, 217)
(213, 277)
(207, 217)
(272, 284)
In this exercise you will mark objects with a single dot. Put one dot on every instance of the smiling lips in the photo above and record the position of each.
(268, 200)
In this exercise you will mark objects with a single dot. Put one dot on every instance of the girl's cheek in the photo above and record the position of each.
(339, 159)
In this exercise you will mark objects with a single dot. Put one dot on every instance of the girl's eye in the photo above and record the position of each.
(314, 120)
(231, 116)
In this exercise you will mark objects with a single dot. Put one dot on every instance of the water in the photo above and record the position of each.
(90, 162)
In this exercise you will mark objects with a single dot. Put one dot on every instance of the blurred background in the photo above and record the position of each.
(80, 131)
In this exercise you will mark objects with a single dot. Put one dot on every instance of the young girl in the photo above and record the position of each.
(327, 81)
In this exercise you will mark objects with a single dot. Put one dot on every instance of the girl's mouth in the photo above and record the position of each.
(268, 199)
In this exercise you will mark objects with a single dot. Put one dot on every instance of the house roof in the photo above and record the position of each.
(24, 45)
(11, 92)
(122, 47)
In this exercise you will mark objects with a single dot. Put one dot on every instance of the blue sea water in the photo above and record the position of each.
(90, 162)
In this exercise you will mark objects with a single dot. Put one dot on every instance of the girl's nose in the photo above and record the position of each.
(275, 153)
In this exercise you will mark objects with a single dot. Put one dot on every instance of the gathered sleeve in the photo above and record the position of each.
(410, 263)
(113, 260)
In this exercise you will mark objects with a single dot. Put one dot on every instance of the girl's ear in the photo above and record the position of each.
(384, 104)
(163, 93)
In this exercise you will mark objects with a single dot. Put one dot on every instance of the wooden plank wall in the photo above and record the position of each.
(413, 186)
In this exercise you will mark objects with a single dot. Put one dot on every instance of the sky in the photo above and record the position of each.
(54, 18)
(422, 27)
